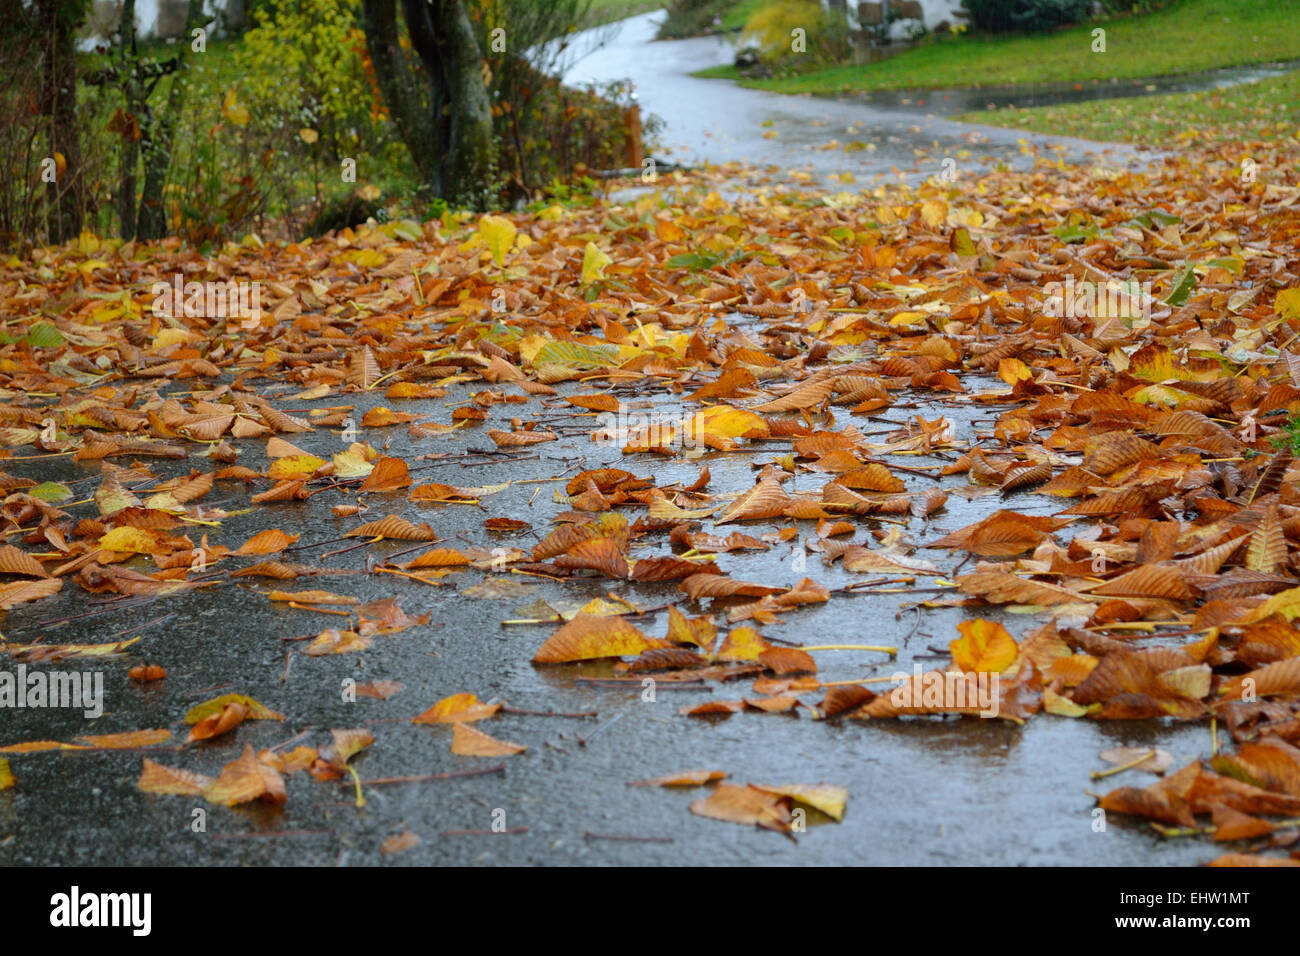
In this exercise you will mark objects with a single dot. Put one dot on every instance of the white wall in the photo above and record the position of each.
(933, 12)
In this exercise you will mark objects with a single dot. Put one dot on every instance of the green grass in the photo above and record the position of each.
(1267, 109)
(1186, 36)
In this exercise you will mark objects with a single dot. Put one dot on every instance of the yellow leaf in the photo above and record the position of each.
(1012, 370)
(294, 466)
(351, 464)
(934, 213)
(593, 263)
(169, 337)
(458, 708)
(1287, 303)
(135, 540)
(717, 425)
(308, 136)
(498, 233)
(826, 797)
(984, 647)
(231, 109)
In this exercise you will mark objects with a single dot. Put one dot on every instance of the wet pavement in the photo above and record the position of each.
(922, 791)
(716, 121)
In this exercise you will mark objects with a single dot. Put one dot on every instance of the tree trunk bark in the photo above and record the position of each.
(152, 223)
(132, 90)
(397, 82)
(60, 20)
(467, 168)
(447, 129)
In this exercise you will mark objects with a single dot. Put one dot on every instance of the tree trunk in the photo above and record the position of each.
(61, 20)
(132, 90)
(158, 150)
(467, 168)
(407, 103)
(443, 117)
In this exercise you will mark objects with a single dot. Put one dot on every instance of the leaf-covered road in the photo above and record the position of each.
(296, 511)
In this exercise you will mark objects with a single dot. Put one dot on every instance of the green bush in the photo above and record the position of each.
(1000, 16)
(689, 18)
(773, 30)
(306, 66)
(544, 130)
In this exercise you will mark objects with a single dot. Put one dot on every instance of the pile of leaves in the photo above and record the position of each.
(681, 325)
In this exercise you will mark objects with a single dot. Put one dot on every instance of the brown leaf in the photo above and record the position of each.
(388, 474)
(688, 778)
(745, 805)
(469, 742)
(394, 528)
(245, 780)
(587, 637)
(159, 779)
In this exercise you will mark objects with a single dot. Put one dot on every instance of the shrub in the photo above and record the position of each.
(1000, 16)
(773, 30)
(689, 18)
(545, 130)
(306, 64)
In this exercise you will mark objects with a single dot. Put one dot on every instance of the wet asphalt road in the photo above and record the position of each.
(717, 121)
(925, 792)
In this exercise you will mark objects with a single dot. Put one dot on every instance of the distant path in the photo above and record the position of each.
(719, 121)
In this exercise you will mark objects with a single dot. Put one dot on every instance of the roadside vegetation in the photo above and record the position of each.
(1266, 109)
(1181, 37)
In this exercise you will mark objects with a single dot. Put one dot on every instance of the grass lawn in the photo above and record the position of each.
(1186, 36)
(1267, 109)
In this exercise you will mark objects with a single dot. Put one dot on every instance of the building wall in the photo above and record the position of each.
(933, 13)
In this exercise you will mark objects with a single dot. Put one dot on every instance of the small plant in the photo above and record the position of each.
(1289, 439)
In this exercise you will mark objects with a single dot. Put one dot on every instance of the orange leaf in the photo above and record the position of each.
(272, 541)
(984, 647)
(457, 707)
(587, 637)
(469, 742)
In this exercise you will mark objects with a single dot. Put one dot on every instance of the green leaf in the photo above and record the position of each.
(1075, 233)
(576, 355)
(1234, 264)
(256, 711)
(1156, 217)
(43, 335)
(51, 491)
(594, 260)
(1183, 283)
(691, 260)
(961, 242)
